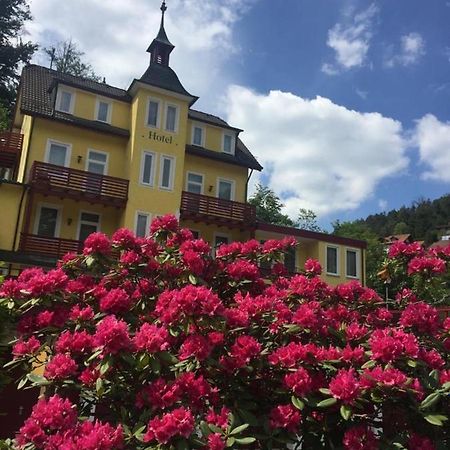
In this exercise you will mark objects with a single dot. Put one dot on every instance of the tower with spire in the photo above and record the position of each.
(161, 48)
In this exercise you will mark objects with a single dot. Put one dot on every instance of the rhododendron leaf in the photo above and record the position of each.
(436, 419)
(182, 445)
(248, 417)
(398, 445)
(297, 402)
(230, 441)
(327, 402)
(214, 428)
(22, 382)
(36, 379)
(99, 387)
(94, 355)
(104, 366)
(411, 363)
(369, 364)
(245, 440)
(430, 400)
(192, 279)
(155, 365)
(89, 261)
(325, 391)
(434, 374)
(346, 412)
(206, 431)
(291, 329)
(240, 428)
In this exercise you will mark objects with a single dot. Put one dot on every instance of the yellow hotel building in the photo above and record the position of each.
(83, 156)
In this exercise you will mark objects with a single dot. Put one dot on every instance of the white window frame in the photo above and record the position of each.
(101, 152)
(158, 117)
(194, 126)
(65, 144)
(177, 117)
(97, 108)
(233, 142)
(151, 183)
(99, 227)
(71, 91)
(233, 187)
(149, 220)
(172, 172)
(41, 205)
(337, 260)
(357, 252)
(198, 174)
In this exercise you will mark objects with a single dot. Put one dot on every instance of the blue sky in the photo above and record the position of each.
(346, 103)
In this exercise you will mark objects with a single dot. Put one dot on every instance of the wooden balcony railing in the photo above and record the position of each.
(10, 148)
(217, 210)
(48, 246)
(78, 184)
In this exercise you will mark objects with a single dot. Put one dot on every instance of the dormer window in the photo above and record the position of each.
(228, 143)
(198, 136)
(103, 111)
(65, 100)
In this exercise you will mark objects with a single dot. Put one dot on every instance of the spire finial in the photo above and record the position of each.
(163, 10)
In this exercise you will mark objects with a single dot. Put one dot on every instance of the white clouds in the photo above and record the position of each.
(114, 35)
(321, 155)
(433, 139)
(412, 48)
(382, 204)
(351, 41)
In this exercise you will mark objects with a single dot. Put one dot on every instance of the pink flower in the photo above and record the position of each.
(420, 316)
(417, 442)
(151, 338)
(215, 442)
(360, 438)
(81, 314)
(112, 335)
(426, 266)
(313, 267)
(116, 301)
(98, 436)
(61, 366)
(285, 416)
(243, 350)
(78, 342)
(299, 382)
(164, 223)
(195, 345)
(29, 347)
(401, 249)
(178, 422)
(242, 270)
(219, 419)
(345, 386)
(97, 243)
(124, 238)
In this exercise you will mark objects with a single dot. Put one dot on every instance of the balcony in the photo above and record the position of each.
(10, 148)
(48, 246)
(79, 185)
(206, 209)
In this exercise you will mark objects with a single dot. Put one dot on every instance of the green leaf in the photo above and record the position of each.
(245, 440)
(411, 363)
(22, 383)
(248, 417)
(326, 403)
(204, 428)
(369, 364)
(214, 428)
(231, 441)
(104, 367)
(89, 261)
(192, 279)
(36, 379)
(346, 412)
(94, 355)
(297, 402)
(436, 419)
(182, 445)
(99, 387)
(240, 428)
(430, 400)
(325, 391)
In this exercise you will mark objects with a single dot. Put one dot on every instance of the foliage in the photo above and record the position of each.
(421, 219)
(4, 119)
(307, 220)
(409, 268)
(375, 249)
(6, 333)
(13, 51)
(168, 348)
(66, 57)
(268, 207)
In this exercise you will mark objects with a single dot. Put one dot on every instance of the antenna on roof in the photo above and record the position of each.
(51, 53)
(104, 80)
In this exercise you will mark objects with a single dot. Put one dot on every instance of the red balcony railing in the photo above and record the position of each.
(78, 184)
(10, 148)
(48, 246)
(217, 210)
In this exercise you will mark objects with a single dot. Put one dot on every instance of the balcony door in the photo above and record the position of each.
(89, 223)
(48, 221)
(97, 162)
(225, 189)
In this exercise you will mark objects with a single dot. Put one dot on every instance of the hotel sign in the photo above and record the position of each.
(160, 137)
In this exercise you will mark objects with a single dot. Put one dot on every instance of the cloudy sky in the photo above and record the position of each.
(346, 103)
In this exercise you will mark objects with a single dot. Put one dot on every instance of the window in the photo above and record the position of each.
(97, 162)
(218, 241)
(148, 164)
(171, 118)
(194, 183)
(166, 172)
(48, 221)
(142, 224)
(225, 189)
(332, 260)
(198, 136)
(351, 263)
(153, 113)
(289, 260)
(65, 100)
(89, 223)
(58, 153)
(195, 234)
(228, 143)
(103, 113)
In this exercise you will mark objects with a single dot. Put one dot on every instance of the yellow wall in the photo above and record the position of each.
(212, 170)
(212, 135)
(10, 196)
(208, 232)
(27, 126)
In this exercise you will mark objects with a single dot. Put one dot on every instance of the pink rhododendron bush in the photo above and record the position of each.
(153, 344)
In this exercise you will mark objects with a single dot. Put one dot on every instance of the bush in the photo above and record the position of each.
(153, 344)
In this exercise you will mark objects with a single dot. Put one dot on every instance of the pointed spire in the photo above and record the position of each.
(161, 47)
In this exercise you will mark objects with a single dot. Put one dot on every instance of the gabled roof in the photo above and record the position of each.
(210, 119)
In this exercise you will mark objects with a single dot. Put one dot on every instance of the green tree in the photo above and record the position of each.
(268, 207)
(307, 220)
(401, 228)
(14, 52)
(4, 119)
(375, 249)
(66, 57)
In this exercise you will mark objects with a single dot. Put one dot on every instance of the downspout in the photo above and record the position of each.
(25, 187)
(246, 185)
